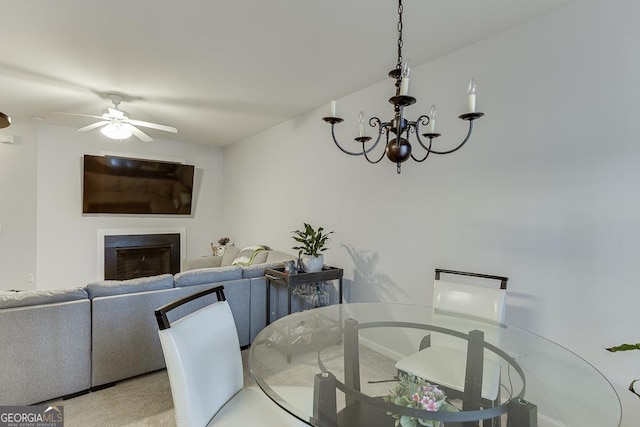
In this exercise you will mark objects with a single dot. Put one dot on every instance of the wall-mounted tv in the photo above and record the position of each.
(121, 185)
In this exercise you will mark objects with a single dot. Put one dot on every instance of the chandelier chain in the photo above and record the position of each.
(400, 9)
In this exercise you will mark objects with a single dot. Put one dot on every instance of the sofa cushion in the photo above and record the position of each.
(208, 275)
(247, 256)
(229, 255)
(40, 297)
(260, 257)
(277, 256)
(118, 287)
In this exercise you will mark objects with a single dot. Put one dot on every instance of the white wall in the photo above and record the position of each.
(41, 190)
(18, 174)
(546, 192)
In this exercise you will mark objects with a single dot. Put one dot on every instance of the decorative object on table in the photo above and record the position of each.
(398, 148)
(415, 392)
(627, 347)
(290, 267)
(214, 249)
(313, 242)
(222, 245)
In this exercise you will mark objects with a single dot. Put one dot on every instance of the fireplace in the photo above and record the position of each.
(141, 255)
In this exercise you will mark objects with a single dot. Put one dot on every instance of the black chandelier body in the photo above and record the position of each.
(398, 130)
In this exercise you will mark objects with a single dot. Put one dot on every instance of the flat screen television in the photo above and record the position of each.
(121, 185)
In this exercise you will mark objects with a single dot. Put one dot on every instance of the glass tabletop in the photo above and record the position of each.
(339, 365)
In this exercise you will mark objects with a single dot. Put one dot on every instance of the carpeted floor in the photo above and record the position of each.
(146, 400)
(140, 401)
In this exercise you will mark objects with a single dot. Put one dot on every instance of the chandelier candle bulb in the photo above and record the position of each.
(404, 85)
(332, 109)
(431, 127)
(471, 100)
(361, 123)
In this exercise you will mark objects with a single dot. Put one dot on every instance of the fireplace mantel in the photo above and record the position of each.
(101, 233)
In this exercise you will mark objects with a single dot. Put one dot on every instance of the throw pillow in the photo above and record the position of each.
(247, 255)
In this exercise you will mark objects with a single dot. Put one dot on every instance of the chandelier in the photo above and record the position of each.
(398, 130)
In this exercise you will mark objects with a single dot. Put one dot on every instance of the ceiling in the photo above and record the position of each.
(222, 70)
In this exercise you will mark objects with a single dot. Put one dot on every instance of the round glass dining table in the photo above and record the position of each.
(339, 366)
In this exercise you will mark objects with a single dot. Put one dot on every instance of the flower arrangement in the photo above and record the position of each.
(223, 241)
(415, 392)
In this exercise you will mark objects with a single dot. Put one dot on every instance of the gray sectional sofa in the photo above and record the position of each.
(45, 345)
(63, 342)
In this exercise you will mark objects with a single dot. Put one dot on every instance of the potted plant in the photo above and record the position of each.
(312, 243)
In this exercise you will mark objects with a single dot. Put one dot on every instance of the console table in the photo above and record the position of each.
(279, 276)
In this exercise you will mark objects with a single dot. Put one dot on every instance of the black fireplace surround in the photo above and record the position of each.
(141, 255)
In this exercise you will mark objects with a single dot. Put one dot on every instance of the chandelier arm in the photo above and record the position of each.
(421, 120)
(372, 123)
(459, 146)
(423, 146)
(373, 162)
(351, 153)
(416, 126)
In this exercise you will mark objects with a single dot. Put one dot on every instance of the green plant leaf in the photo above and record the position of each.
(624, 347)
(406, 421)
(448, 407)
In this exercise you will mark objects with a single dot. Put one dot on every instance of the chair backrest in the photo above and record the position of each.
(475, 300)
(202, 353)
(472, 300)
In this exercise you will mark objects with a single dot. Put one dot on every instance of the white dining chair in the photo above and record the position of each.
(204, 364)
(443, 358)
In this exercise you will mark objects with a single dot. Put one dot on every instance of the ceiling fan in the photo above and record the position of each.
(116, 123)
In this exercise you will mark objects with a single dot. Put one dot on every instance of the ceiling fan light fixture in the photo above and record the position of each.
(116, 131)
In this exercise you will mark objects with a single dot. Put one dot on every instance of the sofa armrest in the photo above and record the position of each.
(45, 351)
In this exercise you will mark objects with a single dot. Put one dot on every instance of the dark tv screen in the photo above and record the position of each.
(120, 185)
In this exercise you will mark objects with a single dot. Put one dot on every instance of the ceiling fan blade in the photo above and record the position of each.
(138, 133)
(93, 126)
(153, 126)
(75, 114)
